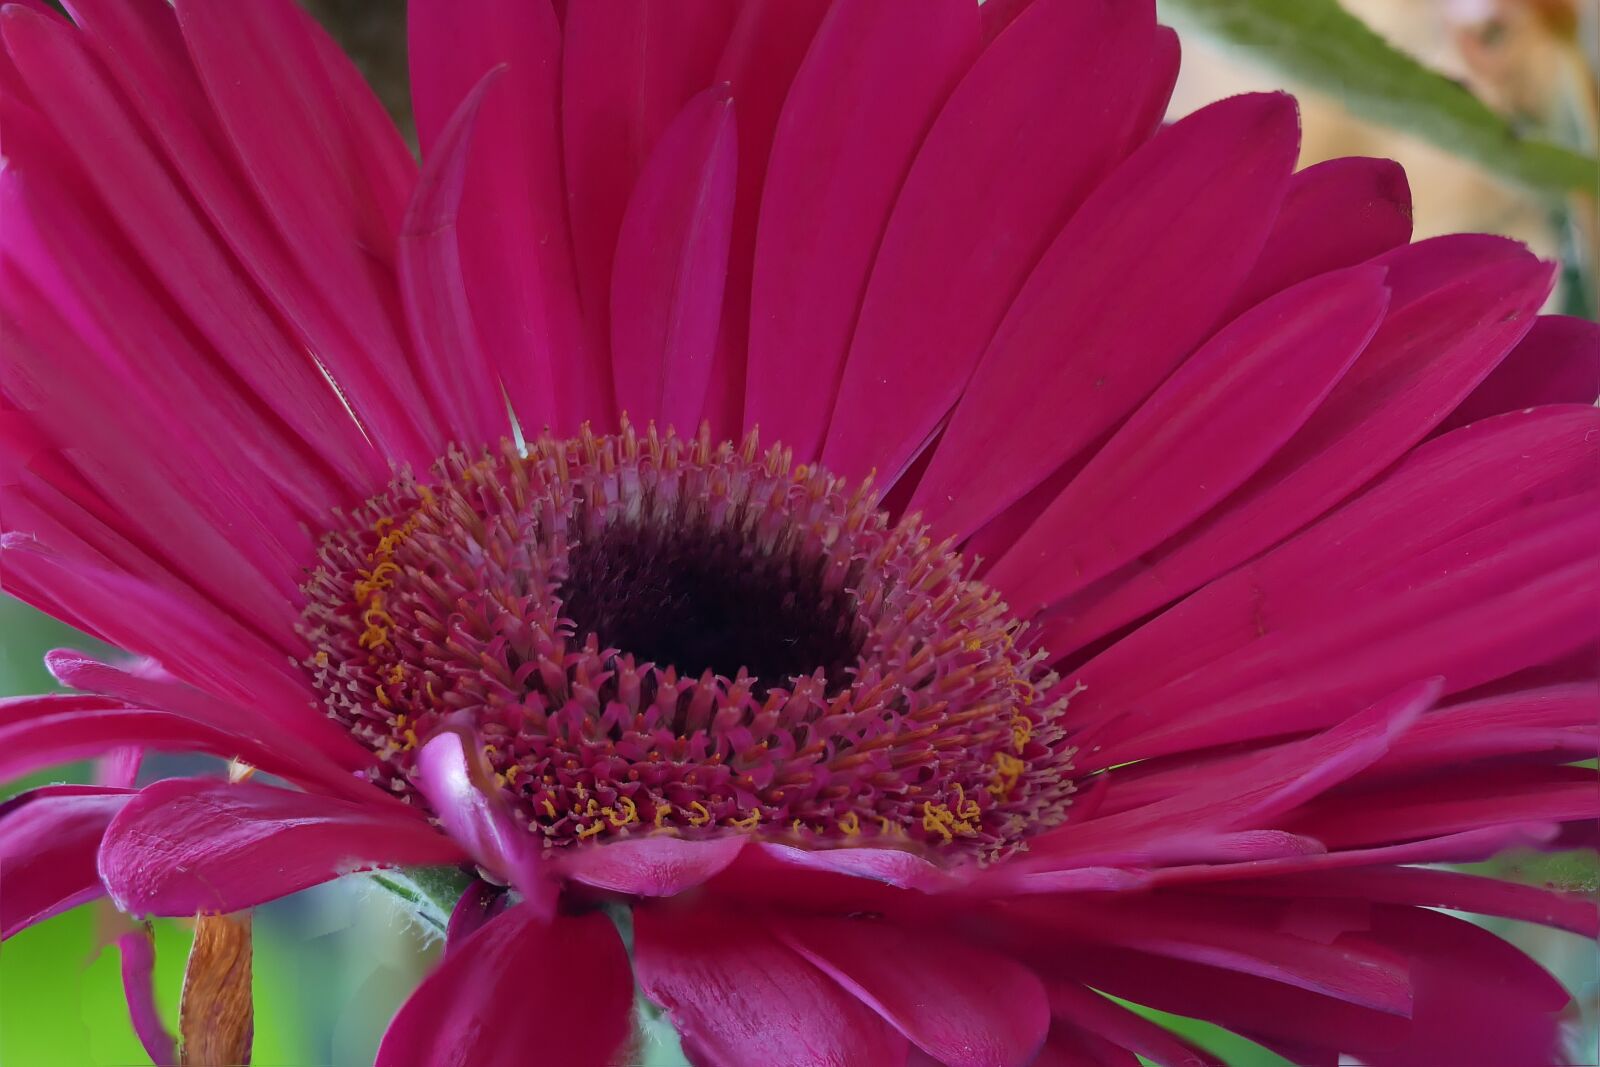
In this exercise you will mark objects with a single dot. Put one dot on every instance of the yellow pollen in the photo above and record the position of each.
(662, 811)
(850, 824)
(624, 813)
(586, 832)
(549, 808)
(748, 822)
(701, 816)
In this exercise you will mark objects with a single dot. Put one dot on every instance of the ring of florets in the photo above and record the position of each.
(652, 634)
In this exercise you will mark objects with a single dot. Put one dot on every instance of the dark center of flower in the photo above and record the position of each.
(655, 635)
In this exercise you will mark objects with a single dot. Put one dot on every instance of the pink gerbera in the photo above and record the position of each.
(831, 513)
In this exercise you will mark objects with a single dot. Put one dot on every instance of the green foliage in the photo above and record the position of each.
(61, 999)
(1321, 45)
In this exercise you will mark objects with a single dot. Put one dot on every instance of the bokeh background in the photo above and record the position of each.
(331, 965)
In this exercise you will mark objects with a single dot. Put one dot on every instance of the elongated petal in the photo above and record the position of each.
(263, 68)
(1437, 889)
(1178, 224)
(1288, 776)
(627, 70)
(738, 996)
(1043, 115)
(1096, 1014)
(1558, 362)
(1249, 936)
(926, 986)
(451, 774)
(650, 866)
(835, 171)
(1443, 491)
(435, 288)
(48, 840)
(138, 951)
(1204, 432)
(672, 260)
(765, 49)
(1337, 213)
(185, 845)
(520, 983)
(514, 246)
(1457, 306)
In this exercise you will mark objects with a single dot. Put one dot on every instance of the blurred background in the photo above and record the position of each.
(332, 965)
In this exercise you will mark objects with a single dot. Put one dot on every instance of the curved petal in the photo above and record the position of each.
(1177, 225)
(1337, 213)
(835, 170)
(436, 291)
(514, 247)
(1557, 363)
(739, 996)
(1457, 306)
(138, 951)
(671, 264)
(1443, 492)
(450, 772)
(520, 983)
(1046, 111)
(1207, 429)
(649, 866)
(263, 66)
(189, 845)
(48, 840)
(964, 1006)
(627, 70)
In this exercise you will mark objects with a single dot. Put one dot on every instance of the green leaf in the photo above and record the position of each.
(1320, 44)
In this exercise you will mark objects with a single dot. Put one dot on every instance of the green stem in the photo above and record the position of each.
(430, 893)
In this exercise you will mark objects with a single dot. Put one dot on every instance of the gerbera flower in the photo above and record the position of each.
(831, 513)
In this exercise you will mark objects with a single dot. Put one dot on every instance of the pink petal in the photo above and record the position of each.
(649, 866)
(765, 49)
(1337, 213)
(928, 987)
(1479, 1001)
(1253, 937)
(1176, 225)
(1470, 846)
(1451, 804)
(1441, 493)
(162, 225)
(322, 748)
(138, 951)
(1205, 430)
(835, 170)
(1503, 725)
(1437, 889)
(48, 840)
(451, 773)
(1557, 363)
(1089, 1011)
(891, 866)
(263, 68)
(454, 366)
(738, 996)
(1456, 308)
(627, 70)
(1048, 109)
(519, 984)
(515, 251)
(1489, 603)
(189, 845)
(1286, 777)
(671, 262)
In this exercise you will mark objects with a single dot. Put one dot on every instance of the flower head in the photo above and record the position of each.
(840, 493)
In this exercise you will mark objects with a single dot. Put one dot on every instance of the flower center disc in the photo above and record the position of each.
(658, 635)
